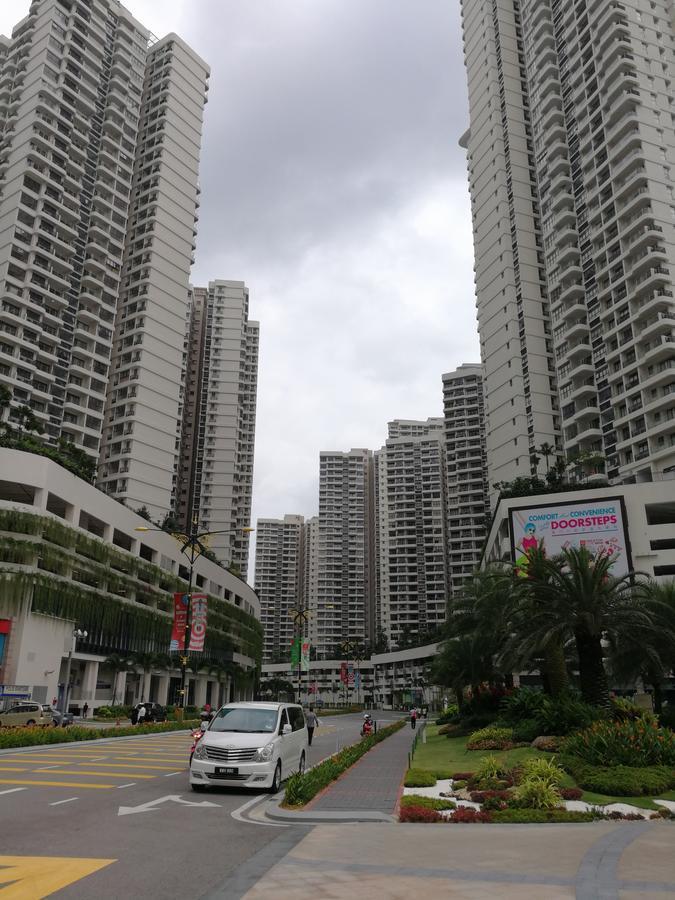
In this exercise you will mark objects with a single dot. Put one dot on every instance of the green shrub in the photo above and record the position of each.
(667, 717)
(451, 730)
(630, 742)
(300, 789)
(430, 802)
(620, 781)
(525, 816)
(523, 704)
(533, 793)
(449, 715)
(622, 708)
(564, 714)
(113, 712)
(419, 778)
(544, 770)
(489, 767)
(31, 737)
(490, 738)
(526, 731)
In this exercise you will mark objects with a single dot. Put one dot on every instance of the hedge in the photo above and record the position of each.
(300, 789)
(620, 781)
(37, 735)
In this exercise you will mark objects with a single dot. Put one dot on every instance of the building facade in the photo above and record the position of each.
(214, 485)
(344, 607)
(570, 153)
(466, 471)
(72, 559)
(100, 134)
(279, 579)
(411, 541)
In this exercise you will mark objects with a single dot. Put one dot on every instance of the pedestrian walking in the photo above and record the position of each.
(413, 718)
(312, 722)
(85, 710)
(141, 715)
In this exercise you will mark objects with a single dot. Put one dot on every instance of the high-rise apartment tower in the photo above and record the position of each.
(214, 485)
(571, 150)
(466, 472)
(100, 133)
(411, 544)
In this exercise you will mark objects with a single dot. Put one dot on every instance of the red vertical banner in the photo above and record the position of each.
(198, 622)
(343, 673)
(180, 605)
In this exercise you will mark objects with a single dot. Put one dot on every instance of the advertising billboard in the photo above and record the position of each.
(598, 524)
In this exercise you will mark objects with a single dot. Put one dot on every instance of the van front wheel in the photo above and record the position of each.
(276, 781)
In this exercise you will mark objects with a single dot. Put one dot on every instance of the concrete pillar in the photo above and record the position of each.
(163, 690)
(200, 692)
(40, 498)
(145, 686)
(119, 688)
(88, 686)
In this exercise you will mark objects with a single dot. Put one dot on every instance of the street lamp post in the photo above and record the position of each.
(192, 547)
(77, 635)
(300, 616)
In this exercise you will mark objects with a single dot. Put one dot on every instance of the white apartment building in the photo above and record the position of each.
(100, 133)
(279, 576)
(411, 541)
(144, 395)
(570, 154)
(466, 470)
(215, 469)
(345, 609)
(310, 575)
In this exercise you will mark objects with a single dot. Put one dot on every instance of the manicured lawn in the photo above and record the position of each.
(443, 756)
(450, 754)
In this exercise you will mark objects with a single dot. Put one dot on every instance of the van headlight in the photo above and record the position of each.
(200, 751)
(264, 754)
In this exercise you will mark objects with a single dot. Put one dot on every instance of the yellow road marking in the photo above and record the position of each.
(131, 766)
(11, 769)
(34, 877)
(87, 772)
(75, 784)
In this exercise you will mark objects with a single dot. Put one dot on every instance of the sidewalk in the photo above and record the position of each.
(626, 860)
(374, 782)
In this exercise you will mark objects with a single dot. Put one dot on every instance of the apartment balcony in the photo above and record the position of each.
(658, 350)
(663, 323)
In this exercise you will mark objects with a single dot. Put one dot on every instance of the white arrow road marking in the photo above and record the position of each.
(153, 804)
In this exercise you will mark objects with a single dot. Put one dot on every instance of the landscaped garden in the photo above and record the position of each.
(569, 751)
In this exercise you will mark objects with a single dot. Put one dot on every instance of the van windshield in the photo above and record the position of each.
(245, 720)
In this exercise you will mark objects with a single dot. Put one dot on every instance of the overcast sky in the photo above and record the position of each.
(333, 185)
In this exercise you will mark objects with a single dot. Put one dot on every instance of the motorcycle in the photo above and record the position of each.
(367, 727)
(196, 736)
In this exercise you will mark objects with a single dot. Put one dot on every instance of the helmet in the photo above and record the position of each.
(367, 716)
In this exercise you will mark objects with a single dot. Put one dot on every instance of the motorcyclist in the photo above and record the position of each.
(367, 727)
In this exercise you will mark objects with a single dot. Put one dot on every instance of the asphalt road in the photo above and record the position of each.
(64, 804)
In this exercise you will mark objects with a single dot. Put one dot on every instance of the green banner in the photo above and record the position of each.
(295, 652)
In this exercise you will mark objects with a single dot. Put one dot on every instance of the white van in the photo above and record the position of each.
(253, 745)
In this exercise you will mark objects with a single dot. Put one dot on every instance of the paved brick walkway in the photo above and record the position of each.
(374, 782)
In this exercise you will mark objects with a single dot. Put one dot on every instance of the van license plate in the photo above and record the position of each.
(226, 770)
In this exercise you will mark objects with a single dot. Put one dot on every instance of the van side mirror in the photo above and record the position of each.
(287, 729)
(203, 726)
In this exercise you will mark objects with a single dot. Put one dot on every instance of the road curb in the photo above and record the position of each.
(274, 812)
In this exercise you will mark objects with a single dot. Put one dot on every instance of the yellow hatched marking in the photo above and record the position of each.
(120, 765)
(11, 769)
(98, 774)
(34, 877)
(75, 784)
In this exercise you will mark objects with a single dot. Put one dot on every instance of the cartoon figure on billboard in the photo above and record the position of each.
(527, 543)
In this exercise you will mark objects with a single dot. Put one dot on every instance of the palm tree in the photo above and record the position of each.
(117, 664)
(576, 596)
(547, 450)
(461, 663)
(523, 647)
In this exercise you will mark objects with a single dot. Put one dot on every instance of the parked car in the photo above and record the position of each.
(58, 717)
(153, 713)
(252, 745)
(25, 714)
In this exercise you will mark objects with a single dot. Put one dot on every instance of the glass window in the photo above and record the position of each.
(245, 720)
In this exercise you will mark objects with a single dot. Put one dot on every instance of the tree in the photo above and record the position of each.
(28, 421)
(461, 663)
(144, 513)
(547, 450)
(575, 595)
